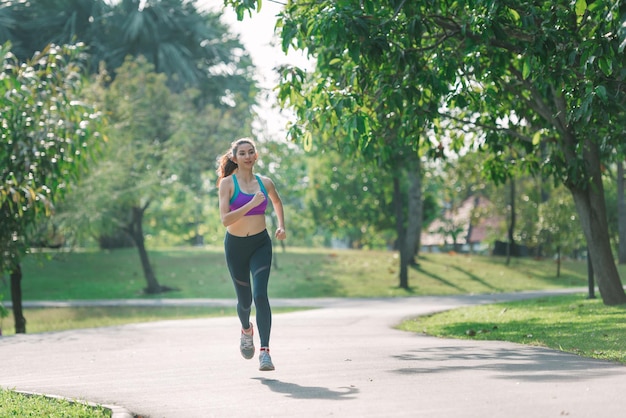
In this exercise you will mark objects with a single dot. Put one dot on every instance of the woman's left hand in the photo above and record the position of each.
(280, 233)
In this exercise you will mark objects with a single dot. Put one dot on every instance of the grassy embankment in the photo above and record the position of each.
(13, 404)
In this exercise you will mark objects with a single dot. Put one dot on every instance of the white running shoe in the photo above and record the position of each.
(265, 361)
(246, 344)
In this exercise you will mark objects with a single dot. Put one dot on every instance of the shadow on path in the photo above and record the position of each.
(537, 365)
(296, 391)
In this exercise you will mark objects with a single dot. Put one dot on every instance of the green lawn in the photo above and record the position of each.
(572, 323)
(13, 404)
(202, 273)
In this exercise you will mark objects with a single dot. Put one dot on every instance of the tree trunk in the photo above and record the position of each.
(416, 210)
(591, 208)
(590, 281)
(16, 299)
(402, 247)
(135, 229)
(558, 261)
(512, 219)
(621, 213)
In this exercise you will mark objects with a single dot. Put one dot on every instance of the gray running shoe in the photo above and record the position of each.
(265, 361)
(246, 345)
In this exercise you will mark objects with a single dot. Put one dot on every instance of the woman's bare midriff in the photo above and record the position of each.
(248, 225)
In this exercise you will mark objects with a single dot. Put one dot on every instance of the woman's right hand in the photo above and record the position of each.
(258, 198)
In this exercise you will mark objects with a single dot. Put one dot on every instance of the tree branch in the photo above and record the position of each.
(395, 13)
(537, 103)
(487, 127)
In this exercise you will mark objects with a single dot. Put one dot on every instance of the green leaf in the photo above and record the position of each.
(307, 141)
(514, 14)
(606, 65)
(581, 8)
(526, 68)
(601, 93)
(622, 35)
(361, 126)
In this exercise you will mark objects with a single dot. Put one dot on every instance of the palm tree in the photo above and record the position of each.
(38, 23)
(6, 23)
(193, 48)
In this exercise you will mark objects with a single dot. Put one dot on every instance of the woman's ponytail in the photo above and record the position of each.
(226, 167)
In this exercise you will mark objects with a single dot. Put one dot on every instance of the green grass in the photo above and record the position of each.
(14, 404)
(202, 273)
(60, 319)
(572, 323)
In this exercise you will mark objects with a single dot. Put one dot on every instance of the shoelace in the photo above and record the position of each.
(265, 357)
(247, 341)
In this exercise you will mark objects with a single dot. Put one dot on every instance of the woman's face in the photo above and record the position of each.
(245, 154)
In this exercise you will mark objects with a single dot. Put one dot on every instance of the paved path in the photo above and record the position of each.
(343, 360)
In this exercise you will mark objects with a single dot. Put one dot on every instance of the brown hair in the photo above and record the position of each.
(226, 166)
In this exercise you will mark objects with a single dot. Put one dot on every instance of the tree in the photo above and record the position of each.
(334, 192)
(200, 135)
(48, 133)
(32, 25)
(540, 77)
(621, 212)
(134, 169)
(558, 227)
(192, 47)
(200, 58)
(557, 105)
(396, 129)
(287, 164)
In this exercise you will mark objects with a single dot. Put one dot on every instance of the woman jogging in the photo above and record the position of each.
(243, 198)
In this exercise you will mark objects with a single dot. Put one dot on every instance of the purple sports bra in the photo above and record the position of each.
(240, 198)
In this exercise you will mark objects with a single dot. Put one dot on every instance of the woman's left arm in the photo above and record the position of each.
(278, 207)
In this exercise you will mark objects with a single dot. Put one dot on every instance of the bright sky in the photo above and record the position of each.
(257, 35)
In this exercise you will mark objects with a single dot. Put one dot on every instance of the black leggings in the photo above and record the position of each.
(245, 255)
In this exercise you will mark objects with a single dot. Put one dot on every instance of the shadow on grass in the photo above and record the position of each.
(296, 391)
(477, 279)
(440, 279)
